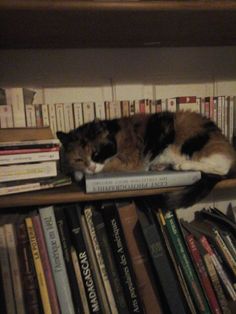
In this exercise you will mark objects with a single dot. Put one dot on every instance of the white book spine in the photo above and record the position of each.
(100, 261)
(45, 115)
(100, 110)
(30, 115)
(171, 104)
(52, 118)
(59, 107)
(231, 118)
(28, 171)
(69, 118)
(18, 107)
(56, 259)
(136, 106)
(111, 183)
(88, 111)
(6, 274)
(6, 117)
(115, 109)
(78, 114)
(14, 265)
(219, 113)
(30, 157)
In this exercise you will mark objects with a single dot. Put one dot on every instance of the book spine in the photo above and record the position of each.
(137, 250)
(109, 261)
(28, 150)
(100, 110)
(94, 265)
(100, 261)
(37, 226)
(69, 118)
(66, 248)
(6, 274)
(45, 115)
(112, 223)
(6, 119)
(25, 158)
(88, 111)
(18, 107)
(84, 262)
(124, 104)
(198, 262)
(38, 266)
(115, 183)
(28, 171)
(56, 259)
(52, 118)
(59, 107)
(38, 115)
(79, 279)
(163, 267)
(9, 230)
(216, 284)
(78, 114)
(30, 115)
(29, 280)
(222, 274)
(182, 255)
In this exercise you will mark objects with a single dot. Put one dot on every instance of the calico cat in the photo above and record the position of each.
(183, 140)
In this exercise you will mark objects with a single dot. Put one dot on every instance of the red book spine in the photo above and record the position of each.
(28, 150)
(203, 276)
(46, 264)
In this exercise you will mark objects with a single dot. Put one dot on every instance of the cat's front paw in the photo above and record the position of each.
(78, 176)
(158, 167)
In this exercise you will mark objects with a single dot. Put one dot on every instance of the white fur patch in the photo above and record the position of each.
(94, 167)
(168, 157)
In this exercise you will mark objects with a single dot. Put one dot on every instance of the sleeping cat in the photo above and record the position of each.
(181, 141)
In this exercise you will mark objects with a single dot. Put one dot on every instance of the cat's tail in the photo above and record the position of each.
(188, 196)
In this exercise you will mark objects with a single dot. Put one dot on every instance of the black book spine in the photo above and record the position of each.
(120, 251)
(66, 247)
(164, 269)
(80, 247)
(109, 261)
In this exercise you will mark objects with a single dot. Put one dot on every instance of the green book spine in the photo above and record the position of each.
(185, 262)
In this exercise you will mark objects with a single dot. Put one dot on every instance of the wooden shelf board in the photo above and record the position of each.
(88, 24)
(73, 193)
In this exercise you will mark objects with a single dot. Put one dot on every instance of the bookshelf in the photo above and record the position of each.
(74, 193)
(32, 29)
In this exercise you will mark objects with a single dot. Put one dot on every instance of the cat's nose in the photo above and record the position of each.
(92, 168)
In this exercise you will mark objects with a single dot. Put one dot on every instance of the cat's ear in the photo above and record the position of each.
(64, 138)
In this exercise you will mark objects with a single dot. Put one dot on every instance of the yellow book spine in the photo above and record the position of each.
(38, 266)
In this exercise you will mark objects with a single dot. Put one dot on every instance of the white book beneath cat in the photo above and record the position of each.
(124, 181)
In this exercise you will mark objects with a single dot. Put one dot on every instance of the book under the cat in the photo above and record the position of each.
(124, 181)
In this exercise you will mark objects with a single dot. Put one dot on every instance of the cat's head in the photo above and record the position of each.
(88, 147)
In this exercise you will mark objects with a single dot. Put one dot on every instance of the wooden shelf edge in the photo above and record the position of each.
(73, 193)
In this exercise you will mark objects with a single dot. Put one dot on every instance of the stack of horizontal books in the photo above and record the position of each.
(28, 160)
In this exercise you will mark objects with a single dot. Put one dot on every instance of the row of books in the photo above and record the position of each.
(29, 160)
(116, 257)
(21, 111)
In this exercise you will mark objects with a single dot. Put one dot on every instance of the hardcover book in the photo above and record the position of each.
(123, 181)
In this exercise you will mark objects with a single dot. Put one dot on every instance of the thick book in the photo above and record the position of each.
(84, 262)
(22, 186)
(139, 257)
(123, 181)
(64, 234)
(28, 171)
(41, 275)
(186, 264)
(121, 255)
(38, 229)
(56, 259)
(29, 279)
(88, 212)
(163, 268)
(106, 251)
